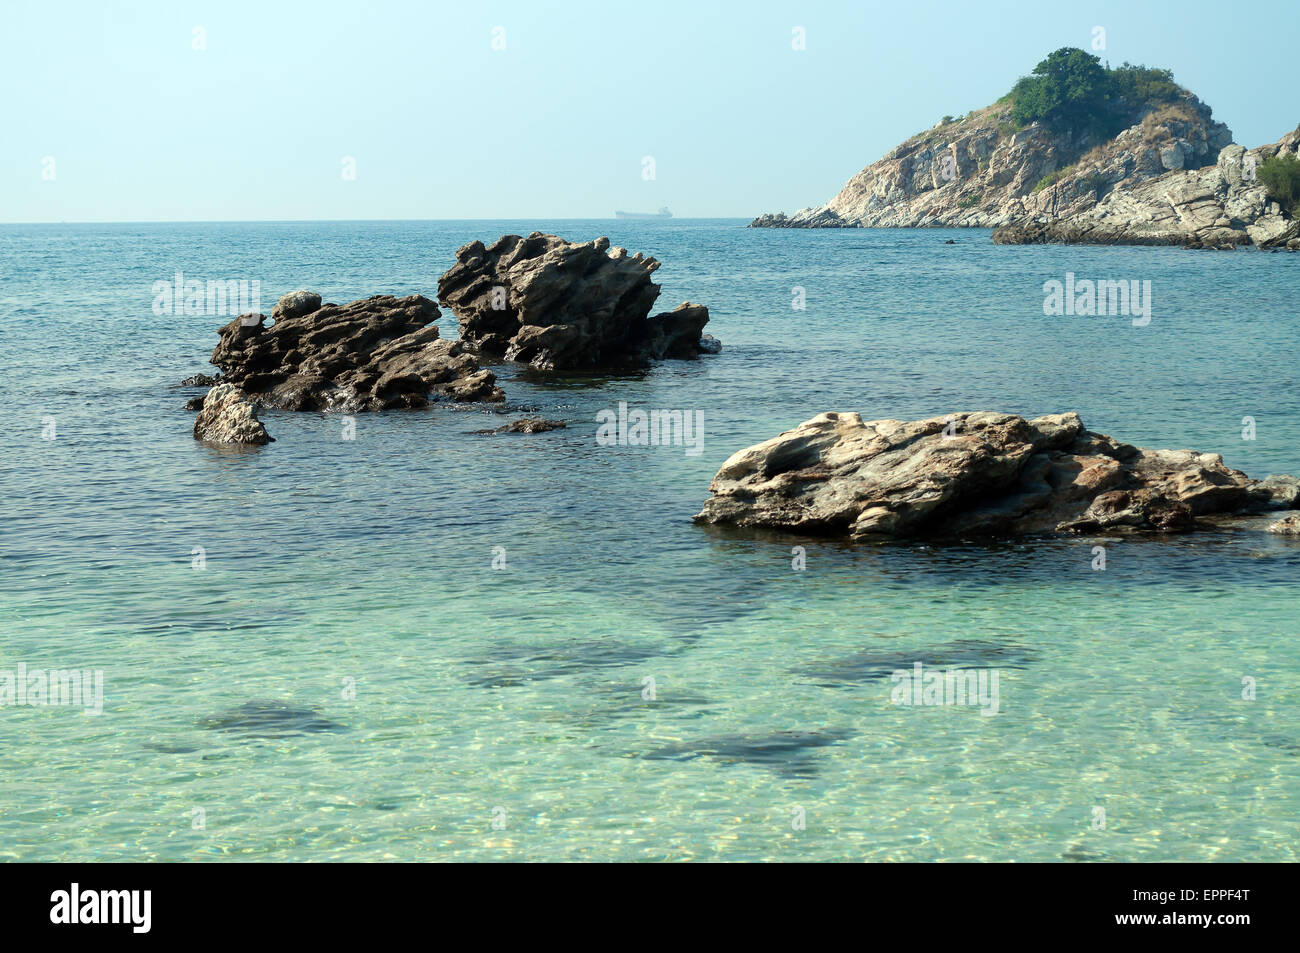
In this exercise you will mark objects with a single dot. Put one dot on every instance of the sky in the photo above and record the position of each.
(367, 109)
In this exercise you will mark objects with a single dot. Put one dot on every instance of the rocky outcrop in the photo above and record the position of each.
(1284, 489)
(973, 474)
(1219, 206)
(562, 305)
(229, 416)
(376, 353)
(982, 171)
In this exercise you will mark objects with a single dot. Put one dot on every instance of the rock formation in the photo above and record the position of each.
(1218, 206)
(1287, 526)
(562, 305)
(1169, 175)
(200, 380)
(375, 353)
(229, 416)
(982, 171)
(974, 474)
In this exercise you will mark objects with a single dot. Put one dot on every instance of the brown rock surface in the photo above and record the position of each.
(972, 474)
(562, 305)
(376, 353)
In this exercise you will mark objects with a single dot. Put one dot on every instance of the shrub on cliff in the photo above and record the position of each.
(1280, 175)
(1140, 85)
(1047, 181)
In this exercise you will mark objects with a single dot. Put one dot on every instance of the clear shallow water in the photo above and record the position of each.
(478, 689)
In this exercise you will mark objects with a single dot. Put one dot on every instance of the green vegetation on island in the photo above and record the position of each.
(1072, 92)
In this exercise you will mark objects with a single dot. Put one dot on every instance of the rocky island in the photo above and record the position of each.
(975, 474)
(1076, 152)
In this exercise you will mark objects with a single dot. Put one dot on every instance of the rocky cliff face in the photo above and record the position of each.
(1217, 206)
(981, 171)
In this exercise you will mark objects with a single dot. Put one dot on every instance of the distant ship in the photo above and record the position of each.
(662, 213)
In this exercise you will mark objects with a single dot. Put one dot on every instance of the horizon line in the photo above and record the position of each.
(309, 221)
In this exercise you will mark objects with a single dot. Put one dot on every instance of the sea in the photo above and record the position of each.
(387, 637)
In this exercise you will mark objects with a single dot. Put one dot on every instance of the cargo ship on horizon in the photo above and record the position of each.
(662, 213)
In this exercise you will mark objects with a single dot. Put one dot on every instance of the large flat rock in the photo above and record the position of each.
(980, 473)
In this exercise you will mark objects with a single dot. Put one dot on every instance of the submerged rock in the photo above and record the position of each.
(269, 719)
(200, 380)
(376, 353)
(513, 665)
(227, 415)
(563, 305)
(527, 425)
(870, 664)
(785, 752)
(972, 474)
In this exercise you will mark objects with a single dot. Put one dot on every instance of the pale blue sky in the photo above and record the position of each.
(143, 127)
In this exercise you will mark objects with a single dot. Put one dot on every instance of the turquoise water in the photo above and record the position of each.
(463, 712)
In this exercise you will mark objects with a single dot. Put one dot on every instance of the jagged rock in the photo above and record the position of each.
(971, 474)
(375, 353)
(982, 171)
(710, 345)
(1287, 526)
(229, 416)
(200, 380)
(805, 218)
(565, 305)
(676, 333)
(527, 425)
(1285, 490)
(1221, 206)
